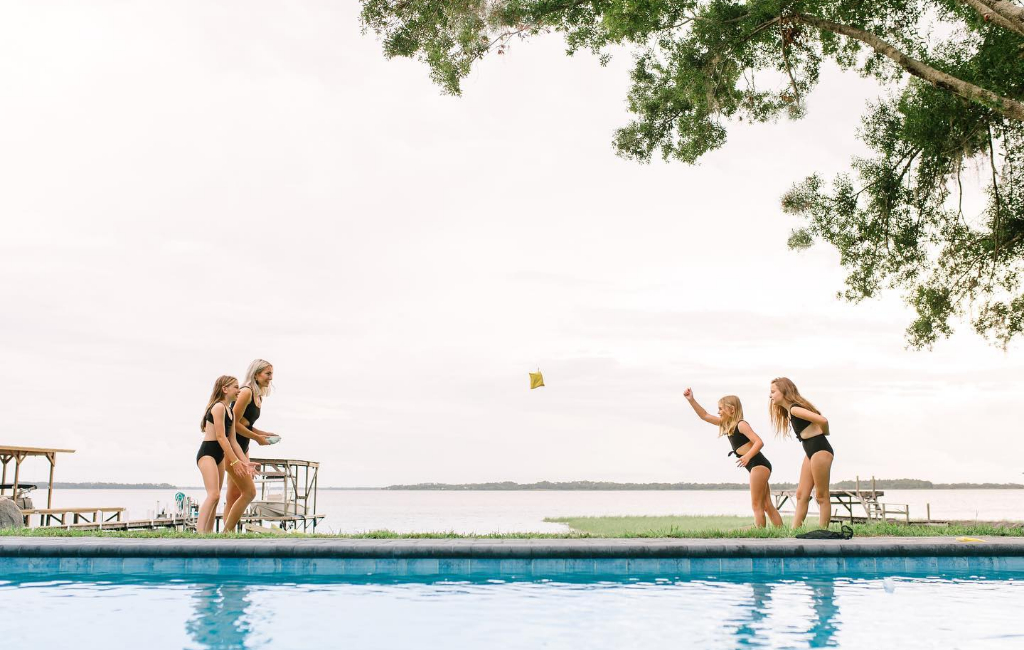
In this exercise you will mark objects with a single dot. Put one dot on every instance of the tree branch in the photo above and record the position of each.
(984, 8)
(1004, 105)
(1007, 10)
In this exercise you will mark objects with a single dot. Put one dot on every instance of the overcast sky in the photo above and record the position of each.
(187, 186)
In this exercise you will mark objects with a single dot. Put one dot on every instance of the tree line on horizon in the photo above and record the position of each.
(881, 484)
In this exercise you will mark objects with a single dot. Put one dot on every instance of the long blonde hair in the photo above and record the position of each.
(255, 368)
(729, 423)
(217, 395)
(780, 414)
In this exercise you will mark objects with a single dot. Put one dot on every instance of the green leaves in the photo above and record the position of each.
(897, 219)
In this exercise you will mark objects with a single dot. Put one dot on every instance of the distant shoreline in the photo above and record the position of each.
(573, 486)
(578, 486)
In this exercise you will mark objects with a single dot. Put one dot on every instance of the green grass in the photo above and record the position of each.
(708, 527)
(704, 527)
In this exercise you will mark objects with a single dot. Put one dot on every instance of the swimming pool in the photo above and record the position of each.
(511, 593)
(951, 610)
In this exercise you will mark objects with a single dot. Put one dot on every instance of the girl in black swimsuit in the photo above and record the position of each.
(788, 407)
(217, 426)
(746, 446)
(246, 409)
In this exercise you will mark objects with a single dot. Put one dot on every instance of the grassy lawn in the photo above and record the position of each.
(737, 527)
(589, 527)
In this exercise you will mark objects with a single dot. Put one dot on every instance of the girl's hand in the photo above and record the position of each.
(742, 461)
(688, 393)
(240, 468)
(254, 468)
(262, 441)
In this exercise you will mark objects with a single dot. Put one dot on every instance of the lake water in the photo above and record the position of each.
(351, 511)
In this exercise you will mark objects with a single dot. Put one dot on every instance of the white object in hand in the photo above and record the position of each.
(273, 440)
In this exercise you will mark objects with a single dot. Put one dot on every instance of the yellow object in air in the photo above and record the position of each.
(969, 539)
(536, 379)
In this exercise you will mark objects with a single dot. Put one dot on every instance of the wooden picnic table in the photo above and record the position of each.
(18, 454)
(99, 515)
(846, 499)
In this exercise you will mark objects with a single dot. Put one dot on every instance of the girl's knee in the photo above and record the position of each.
(213, 495)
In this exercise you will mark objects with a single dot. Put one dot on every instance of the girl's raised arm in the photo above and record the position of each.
(699, 410)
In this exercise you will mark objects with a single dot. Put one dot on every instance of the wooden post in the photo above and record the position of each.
(873, 486)
(928, 509)
(17, 471)
(858, 484)
(883, 513)
(49, 494)
(4, 479)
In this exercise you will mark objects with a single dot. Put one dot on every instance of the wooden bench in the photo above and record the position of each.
(60, 515)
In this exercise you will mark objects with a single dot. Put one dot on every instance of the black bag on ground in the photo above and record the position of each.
(824, 533)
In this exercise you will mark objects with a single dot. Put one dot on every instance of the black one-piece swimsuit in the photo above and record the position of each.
(251, 414)
(737, 440)
(212, 448)
(814, 444)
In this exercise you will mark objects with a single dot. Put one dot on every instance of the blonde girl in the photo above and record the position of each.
(246, 409)
(746, 446)
(788, 407)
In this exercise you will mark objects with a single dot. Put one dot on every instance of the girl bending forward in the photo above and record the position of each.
(746, 446)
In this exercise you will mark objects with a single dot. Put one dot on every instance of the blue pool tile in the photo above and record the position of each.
(352, 567)
(581, 566)
(797, 565)
(294, 566)
(737, 565)
(483, 566)
(75, 565)
(767, 565)
(861, 565)
(107, 565)
(386, 566)
(830, 565)
(705, 566)
(549, 566)
(982, 565)
(202, 565)
(515, 568)
(453, 567)
(135, 565)
(644, 566)
(922, 564)
(420, 566)
(1009, 563)
(614, 566)
(953, 564)
(891, 564)
(263, 566)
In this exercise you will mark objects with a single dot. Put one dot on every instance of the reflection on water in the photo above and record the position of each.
(826, 613)
(744, 612)
(219, 621)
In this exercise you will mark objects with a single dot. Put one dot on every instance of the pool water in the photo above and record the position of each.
(948, 611)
